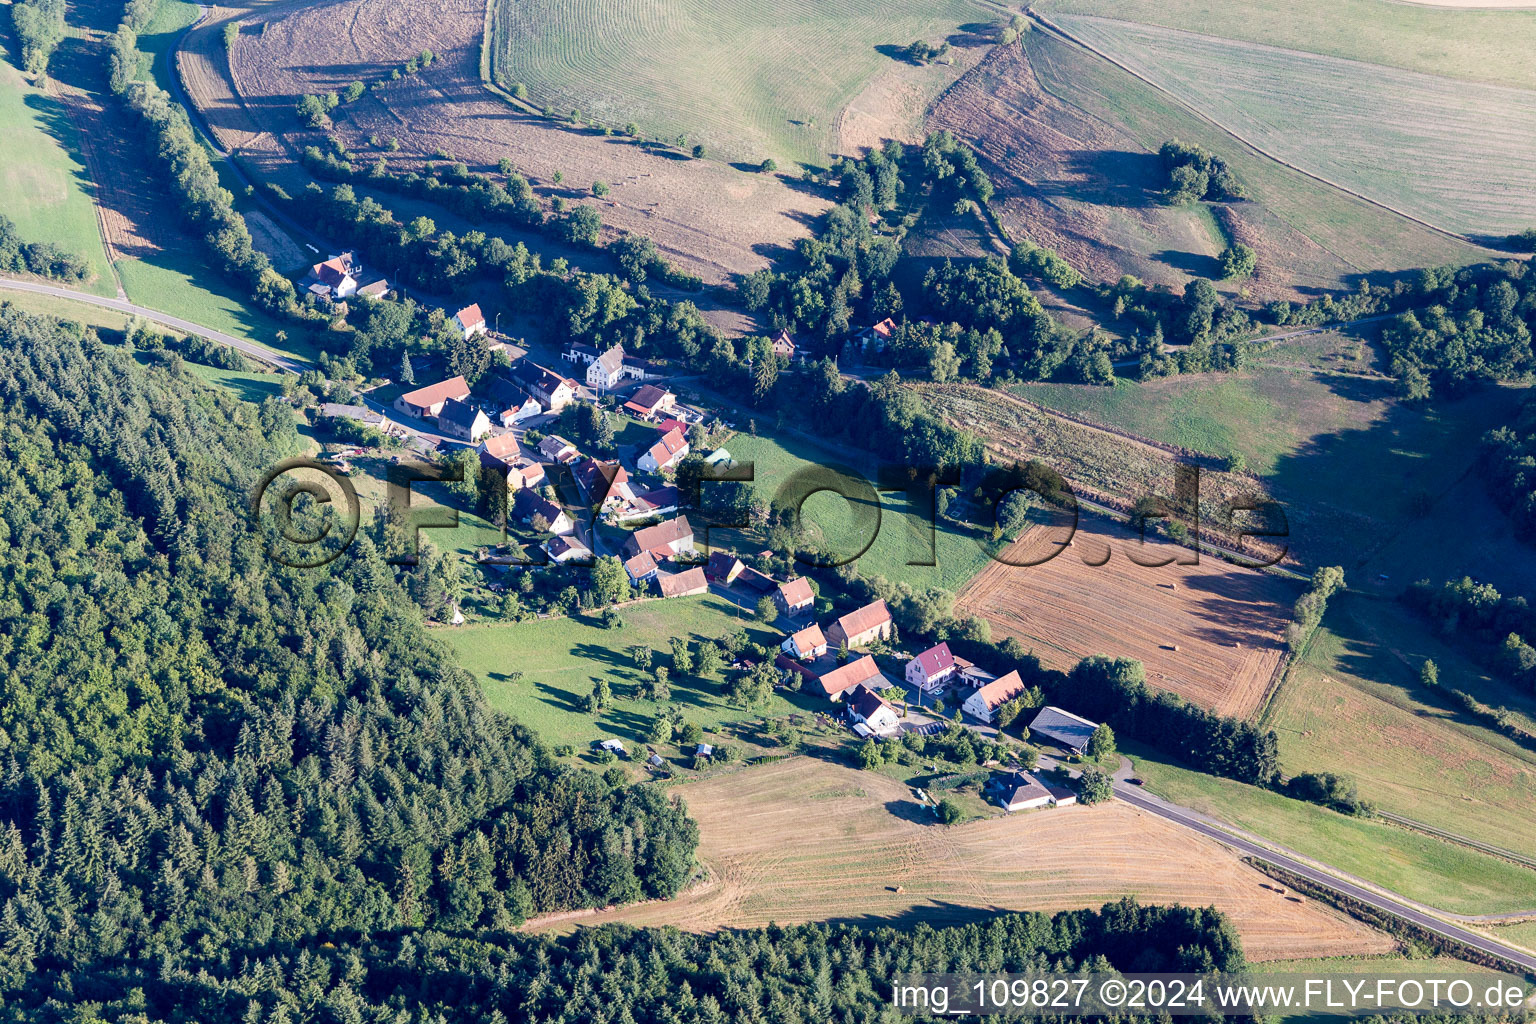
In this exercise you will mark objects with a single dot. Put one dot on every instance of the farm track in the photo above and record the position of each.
(1261, 151)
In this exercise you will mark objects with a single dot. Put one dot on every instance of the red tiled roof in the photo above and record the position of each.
(682, 583)
(501, 446)
(1000, 690)
(841, 680)
(935, 660)
(641, 565)
(665, 450)
(864, 619)
(647, 398)
(796, 592)
(425, 398)
(470, 315)
(865, 702)
(809, 638)
(723, 565)
(662, 535)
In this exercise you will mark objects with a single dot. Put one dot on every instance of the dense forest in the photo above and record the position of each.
(210, 757)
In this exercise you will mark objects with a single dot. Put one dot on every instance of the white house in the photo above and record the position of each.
(868, 707)
(339, 274)
(665, 453)
(984, 702)
(567, 549)
(1020, 791)
(526, 504)
(470, 320)
(664, 540)
(607, 369)
(806, 644)
(932, 669)
(427, 402)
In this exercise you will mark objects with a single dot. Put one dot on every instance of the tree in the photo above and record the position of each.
(767, 611)
(600, 188)
(641, 656)
(1429, 673)
(698, 151)
(661, 686)
(1093, 787)
(661, 729)
(612, 619)
(768, 166)
(600, 698)
(1013, 512)
(610, 581)
(707, 659)
(407, 375)
(682, 657)
(231, 34)
(1238, 260)
(1102, 742)
(581, 226)
(352, 92)
(868, 755)
(949, 811)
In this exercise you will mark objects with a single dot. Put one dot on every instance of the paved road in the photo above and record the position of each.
(251, 349)
(1305, 868)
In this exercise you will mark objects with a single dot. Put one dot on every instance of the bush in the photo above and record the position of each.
(1093, 787)
(949, 811)
(1238, 261)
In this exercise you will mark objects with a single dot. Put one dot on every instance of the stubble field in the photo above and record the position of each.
(804, 840)
(1210, 633)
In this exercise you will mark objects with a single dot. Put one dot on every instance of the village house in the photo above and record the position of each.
(374, 289)
(651, 401)
(931, 669)
(684, 584)
(641, 369)
(983, 704)
(862, 627)
(1063, 728)
(557, 449)
(665, 453)
(512, 403)
(784, 345)
(360, 413)
(553, 391)
(567, 548)
(503, 455)
(840, 681)
(652, 503)
(1021, 791)
(641, 567)
(874, 712)
(607, 369)
(756, 581)
(427, 403)
(338, 275)
(795, 596)
(463, 420)
(723, 567)
(664, 540)
(527, 504)
(470, 321)
(807, 644)
(876, 337)
(579, 354)
(602, 485)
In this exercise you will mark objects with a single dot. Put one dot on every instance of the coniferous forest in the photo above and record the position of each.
(236, 791)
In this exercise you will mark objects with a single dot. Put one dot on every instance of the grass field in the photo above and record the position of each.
(902, 535)
(1469, 171)
(250, 387)
(1357, 689)
(182, 284)
(1478, 45)
(1522, 934)
(749, 81)
(561, 658)
(804, 840)
(44, 186)
(1440, 874)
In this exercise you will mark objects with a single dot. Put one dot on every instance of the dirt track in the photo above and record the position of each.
(711, 219)
(805, 840)
(1210, 633)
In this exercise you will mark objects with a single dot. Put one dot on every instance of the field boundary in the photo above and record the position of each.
(1051, 26)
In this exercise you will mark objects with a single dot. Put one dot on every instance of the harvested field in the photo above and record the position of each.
(707, 217)
(804, 840)
(748, 80)
(1211, 633)
(1449, 152)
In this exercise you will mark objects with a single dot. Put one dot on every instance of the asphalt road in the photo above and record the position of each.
(122, 306)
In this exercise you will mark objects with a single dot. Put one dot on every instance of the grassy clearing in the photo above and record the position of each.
(250, 387)
(749, 81)
(69, 309)
(902, 535)
(561, 658)
(44, 185)
(1433, 872)
(1363, 237)
(1522, 934)
(1357, 689)
(1450, 153)
(1479, 45)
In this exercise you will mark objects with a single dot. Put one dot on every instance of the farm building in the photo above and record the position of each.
(617, 746)
(640, 568)
(664, 540)
(794, 596)
(723, 567)
(428, 402)
(835, 684)
(931, 669)
(463, 420)
(567, 549)
(868, 707)
(756, 581)
(863, 626)
(1063, 728)
(470, 320)
(602, 484)
(665, 453)
(361, 413)
(684, 584)
(806, 644)
(984, 702)
(651, 401)
(526, 505)
(374, 289)
(969, 674)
